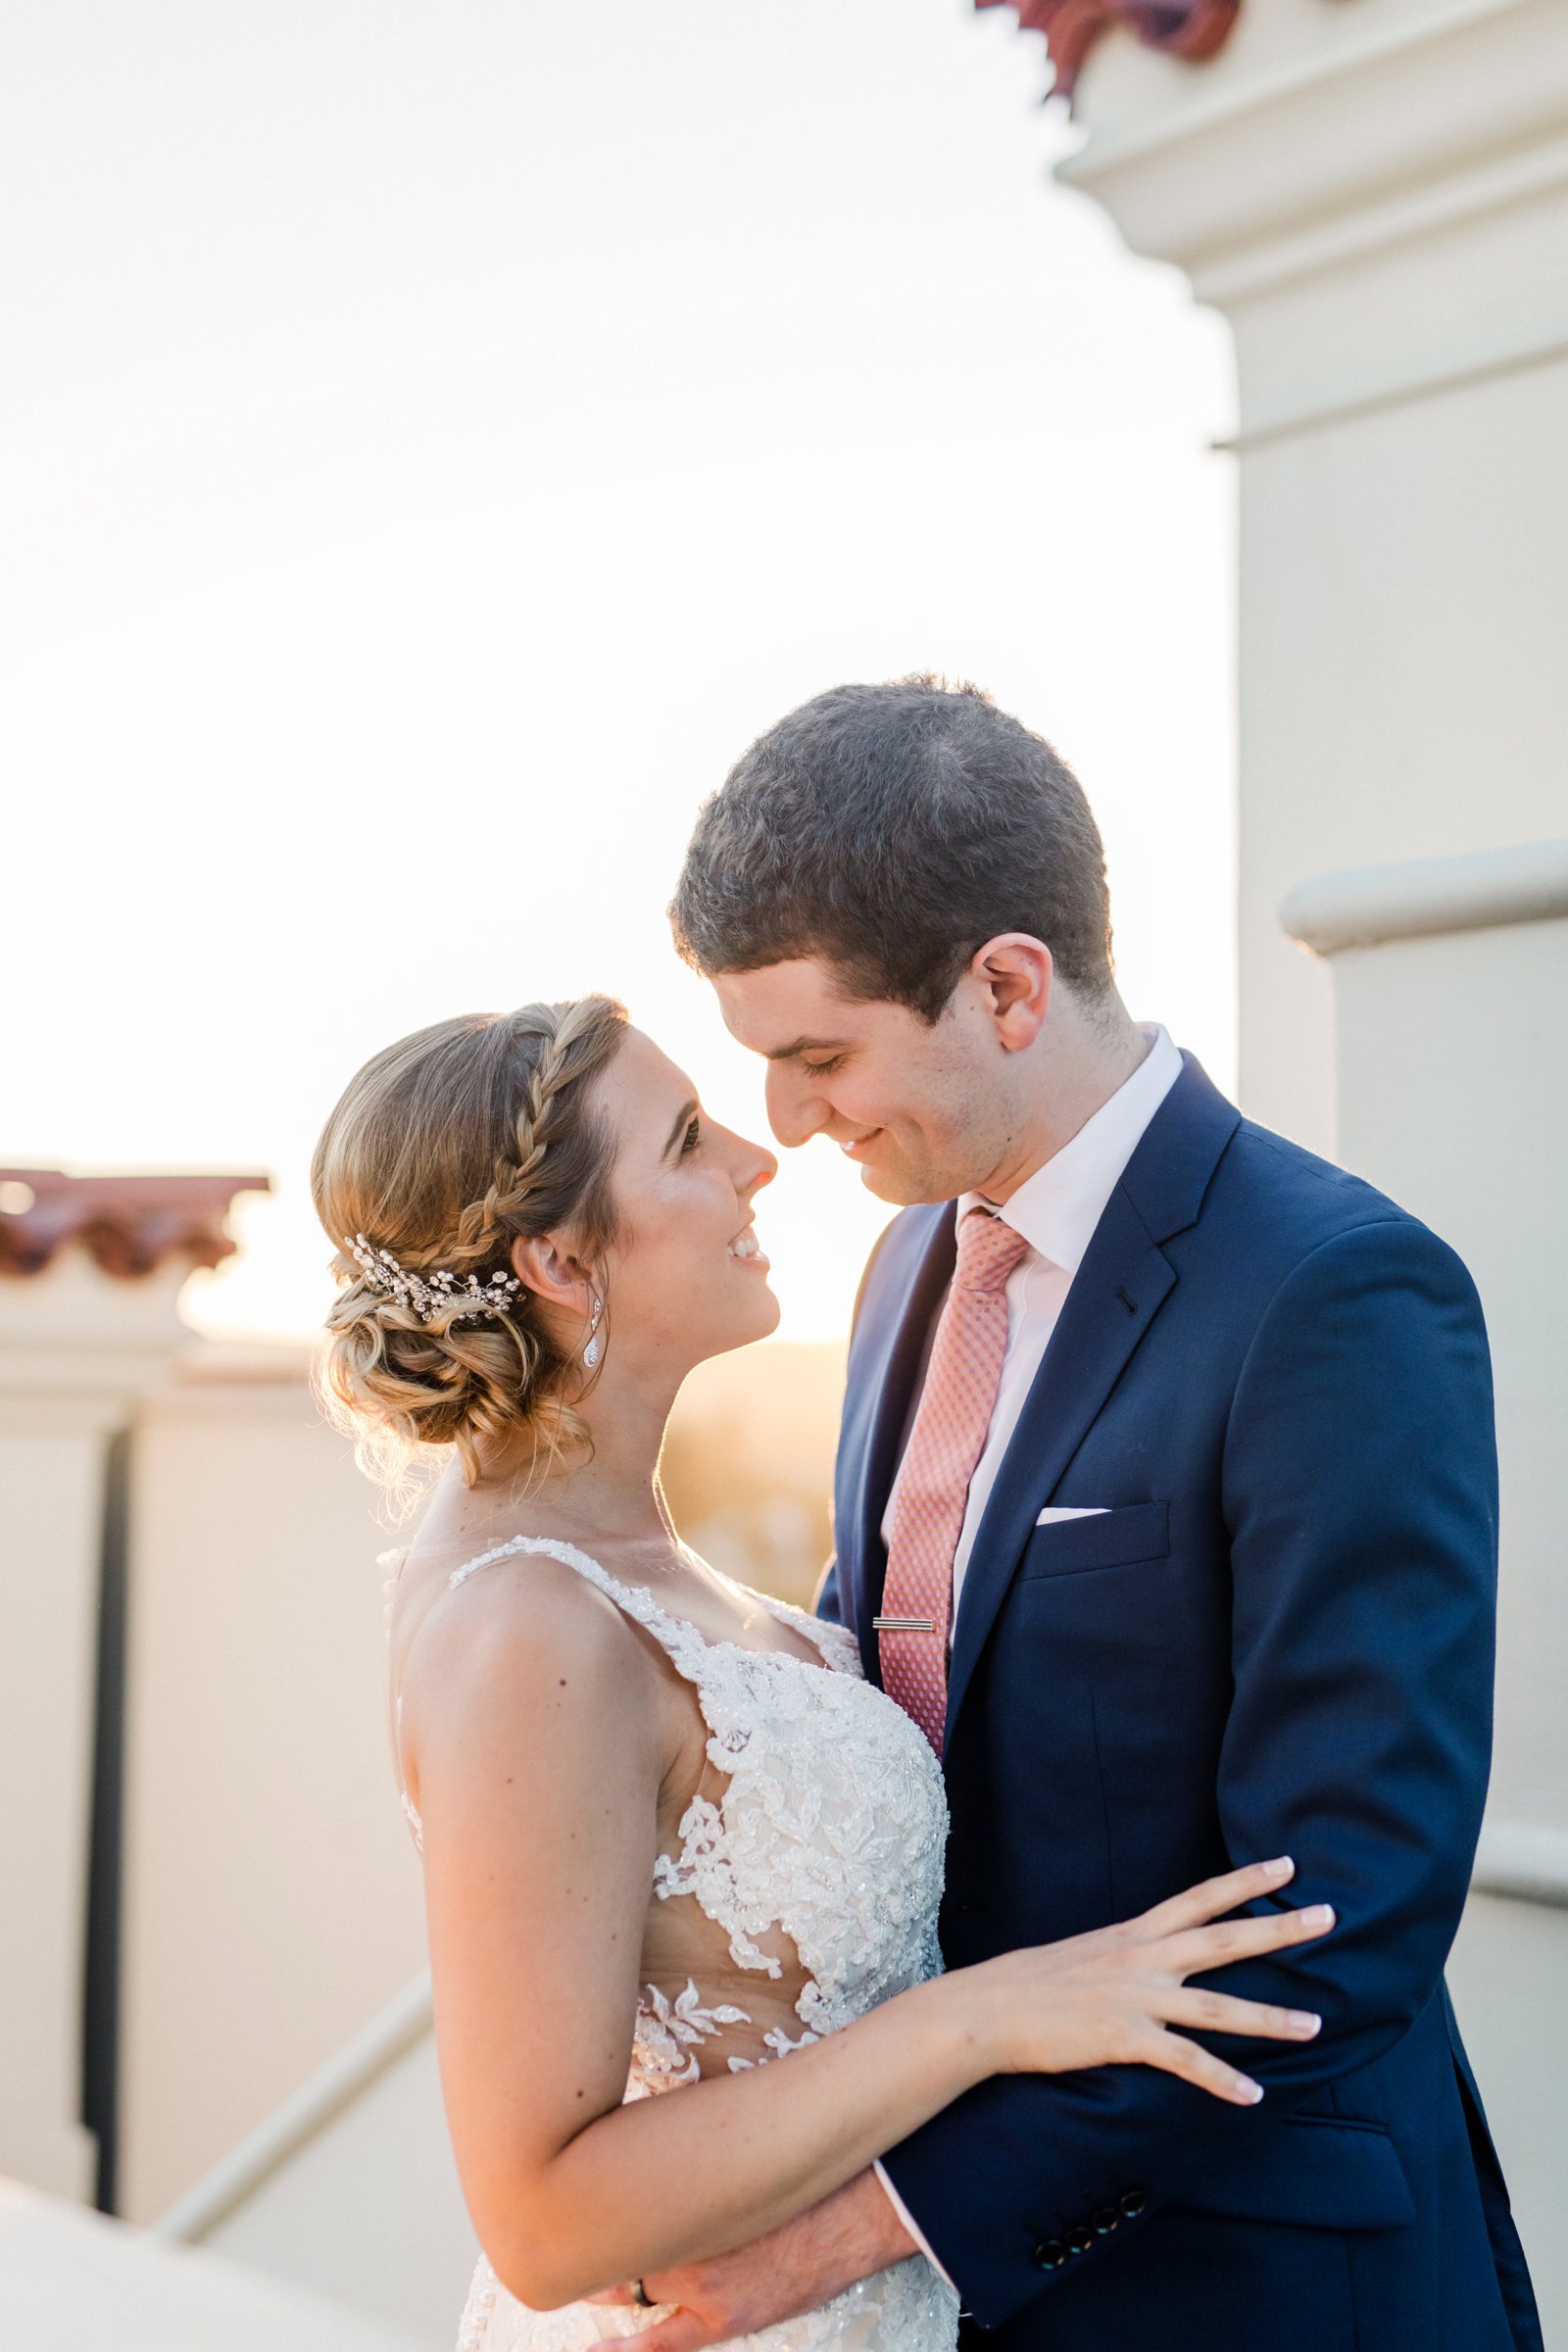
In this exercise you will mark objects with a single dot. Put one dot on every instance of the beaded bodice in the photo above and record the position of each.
(811, 1851)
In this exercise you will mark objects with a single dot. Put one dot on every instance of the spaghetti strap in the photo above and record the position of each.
(679, 1638)
(682, 1641)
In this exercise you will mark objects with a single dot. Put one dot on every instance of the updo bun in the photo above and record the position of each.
(443, 1150)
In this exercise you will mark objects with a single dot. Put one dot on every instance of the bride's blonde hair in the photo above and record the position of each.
(443, 1150)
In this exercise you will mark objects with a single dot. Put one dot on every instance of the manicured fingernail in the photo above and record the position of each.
(1306, 2022)
(1281, 1867)
(1249, 2093)
(1321, 1915)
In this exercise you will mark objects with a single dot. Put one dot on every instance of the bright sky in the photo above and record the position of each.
(438, 439)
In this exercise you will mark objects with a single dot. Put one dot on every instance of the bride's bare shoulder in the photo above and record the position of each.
(527, 1707)
(520, 1628)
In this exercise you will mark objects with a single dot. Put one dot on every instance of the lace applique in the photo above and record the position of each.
(669, 2033)
(702, 1869)
(777, 2043)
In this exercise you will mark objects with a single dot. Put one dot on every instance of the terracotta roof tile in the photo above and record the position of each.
(1192, 29)
(129, 1224)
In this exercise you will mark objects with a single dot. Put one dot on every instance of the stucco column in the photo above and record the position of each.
(80, 1346)
(76, 1353)
(1375, 192)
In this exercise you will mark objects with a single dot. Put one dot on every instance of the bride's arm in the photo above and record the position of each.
(541, 1739)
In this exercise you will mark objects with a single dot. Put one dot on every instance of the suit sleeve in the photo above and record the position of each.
(1359, 1494)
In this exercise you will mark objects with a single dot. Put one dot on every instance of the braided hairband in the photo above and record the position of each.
(437, 1296)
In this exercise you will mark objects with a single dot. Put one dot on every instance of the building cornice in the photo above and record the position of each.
(1246, 177)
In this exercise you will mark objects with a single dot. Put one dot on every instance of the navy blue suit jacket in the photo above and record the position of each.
(1276, 1638)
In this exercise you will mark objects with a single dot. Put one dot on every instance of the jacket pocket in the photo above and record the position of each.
(1315, 2171)
(1110, 1540)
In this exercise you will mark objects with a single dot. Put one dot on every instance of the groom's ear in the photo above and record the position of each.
(1015, 973)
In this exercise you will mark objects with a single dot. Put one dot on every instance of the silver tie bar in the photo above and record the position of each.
(904, 1625)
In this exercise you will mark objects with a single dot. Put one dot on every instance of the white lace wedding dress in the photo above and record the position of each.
(807, 1879)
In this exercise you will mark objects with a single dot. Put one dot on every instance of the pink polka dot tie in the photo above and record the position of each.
(947, 1441)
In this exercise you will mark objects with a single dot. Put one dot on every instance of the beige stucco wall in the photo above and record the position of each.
(273, 1895)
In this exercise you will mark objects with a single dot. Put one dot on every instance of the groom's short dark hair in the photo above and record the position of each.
(892, 830)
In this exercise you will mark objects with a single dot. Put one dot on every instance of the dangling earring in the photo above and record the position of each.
(596, 1346)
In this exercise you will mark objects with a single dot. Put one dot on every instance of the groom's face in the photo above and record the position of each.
(923, 1109)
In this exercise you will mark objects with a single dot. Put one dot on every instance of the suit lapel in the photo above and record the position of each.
(1116, 1292)
(880, 1386)
(1115, 1295)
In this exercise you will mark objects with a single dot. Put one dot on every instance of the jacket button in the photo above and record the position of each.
(1133, 2202)
(1105, 2221)
(1080, 2240)
(1050, 2254)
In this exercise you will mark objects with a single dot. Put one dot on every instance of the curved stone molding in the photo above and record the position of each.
(1523, 1859)
(1478, 892)
(1193, 29)
(130, 1225)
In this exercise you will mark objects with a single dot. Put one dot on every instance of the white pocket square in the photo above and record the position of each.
(1050, 1516)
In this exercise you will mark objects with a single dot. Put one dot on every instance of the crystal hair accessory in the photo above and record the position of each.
(437, 1296)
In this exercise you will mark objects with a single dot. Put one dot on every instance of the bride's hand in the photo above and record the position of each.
(1110, 1998)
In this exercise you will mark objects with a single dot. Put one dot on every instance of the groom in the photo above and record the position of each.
(1165, 1503)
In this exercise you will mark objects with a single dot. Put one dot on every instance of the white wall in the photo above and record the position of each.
(71, 2279)
(273, 1895)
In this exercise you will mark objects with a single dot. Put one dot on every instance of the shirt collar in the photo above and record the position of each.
(1058, 1207)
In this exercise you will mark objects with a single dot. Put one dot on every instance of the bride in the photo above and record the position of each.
(670, 1832)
